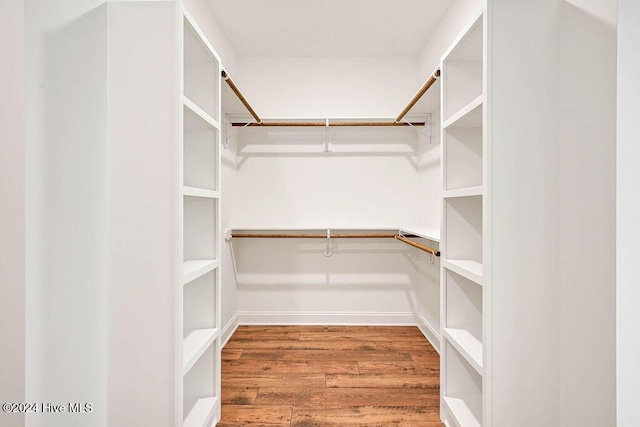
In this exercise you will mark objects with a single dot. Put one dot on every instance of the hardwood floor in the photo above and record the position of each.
(303, 376)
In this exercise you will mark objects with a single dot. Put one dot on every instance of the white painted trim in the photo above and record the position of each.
(229, 329)
(325, 318)
(429, 332)
(199, 32)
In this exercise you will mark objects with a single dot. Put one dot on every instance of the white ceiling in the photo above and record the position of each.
(321, 28)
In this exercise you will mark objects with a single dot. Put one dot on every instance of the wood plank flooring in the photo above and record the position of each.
(303, 376)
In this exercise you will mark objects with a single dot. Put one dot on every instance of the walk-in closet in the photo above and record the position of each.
(319, 213)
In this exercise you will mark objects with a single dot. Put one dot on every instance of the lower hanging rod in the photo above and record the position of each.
(335, 236)
(330, 124)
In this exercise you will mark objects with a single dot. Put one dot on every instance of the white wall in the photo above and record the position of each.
(628, 211)
(209, 26)
(66, 75)
(430, 184)
(551, 196)
(12, 209)
(457, 17)
(229, 286)
(327, 87)
(374, 177)
(366, 180)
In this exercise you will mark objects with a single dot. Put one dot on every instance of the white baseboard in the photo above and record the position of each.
(429, 332)
(229, 329)
(320, 318)
(325, 318)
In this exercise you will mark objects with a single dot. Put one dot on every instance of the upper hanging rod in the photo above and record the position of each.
(397, 122)
(417, 245)
(240, 96)
(329, 124)
(425, 87)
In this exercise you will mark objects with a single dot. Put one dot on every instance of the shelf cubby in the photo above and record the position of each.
(200, 152)
(200, 227)
(463, 396)
(463, 229)
(462, 152)
(463, 319)
(193, 269)
(201, 72)
(200, 399)
(463, 71)
(199, 300)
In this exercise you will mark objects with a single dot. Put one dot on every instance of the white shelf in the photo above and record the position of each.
(467, 345)
(468, 116)
(468, 269)
(430, 233)
(464, 192)
(463, 409)
(462, 220)
(200, 228)
(201, 412)
(200, 152)
(193, 269)
(200, 192)
(194, 346)
(200, 112)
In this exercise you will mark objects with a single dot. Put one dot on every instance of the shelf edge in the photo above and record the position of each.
(477, 365)
(200, 112)
(451, 265)
(186, 367)
(463, 112)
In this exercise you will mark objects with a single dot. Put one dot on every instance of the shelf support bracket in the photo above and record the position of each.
(427, 135)
(230, 135)
(329, 251)
(327, 137)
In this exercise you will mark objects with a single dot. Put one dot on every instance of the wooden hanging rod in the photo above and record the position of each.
(335, 236)
(397, 122)
(331, 124)
(425, 87)
(312, 236)
(418, 245)
(240, 96)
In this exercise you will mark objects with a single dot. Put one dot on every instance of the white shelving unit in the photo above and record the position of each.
(200, 229)
(463, 229)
